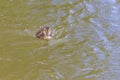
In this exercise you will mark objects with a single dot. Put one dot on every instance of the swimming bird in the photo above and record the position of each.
(44, 33)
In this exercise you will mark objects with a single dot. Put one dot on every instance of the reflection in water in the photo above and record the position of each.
(85, 46)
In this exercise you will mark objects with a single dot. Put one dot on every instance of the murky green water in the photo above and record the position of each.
(85, 46)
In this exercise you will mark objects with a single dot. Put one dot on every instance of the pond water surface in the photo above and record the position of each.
(86, 45)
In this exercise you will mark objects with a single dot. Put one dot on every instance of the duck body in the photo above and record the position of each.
(44, 33)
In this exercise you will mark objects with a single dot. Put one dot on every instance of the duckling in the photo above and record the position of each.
(44, 33)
